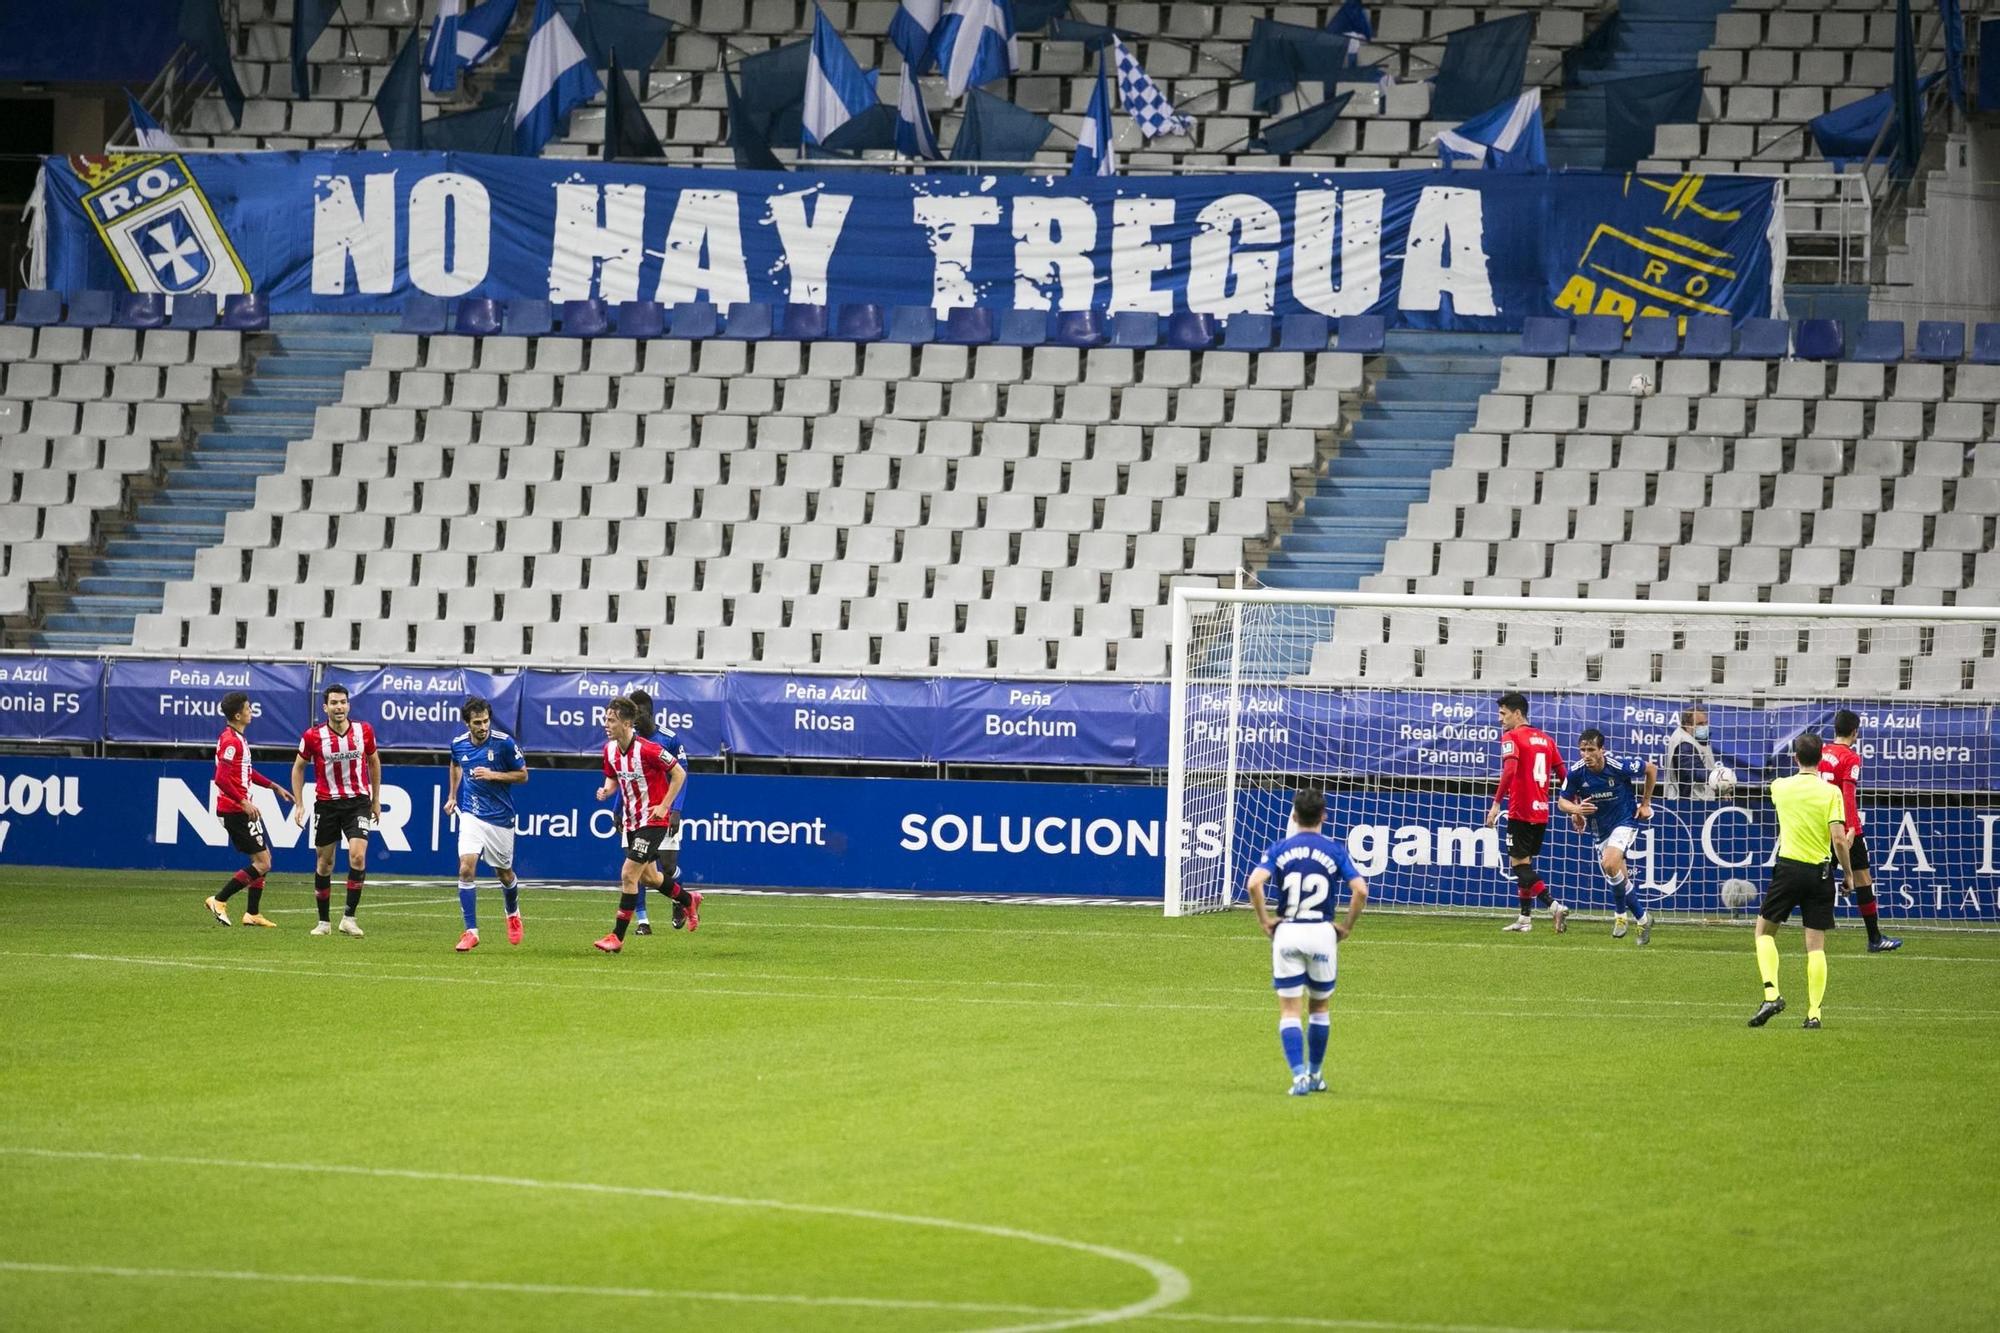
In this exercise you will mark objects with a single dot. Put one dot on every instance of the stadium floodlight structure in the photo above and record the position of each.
(1388, 703)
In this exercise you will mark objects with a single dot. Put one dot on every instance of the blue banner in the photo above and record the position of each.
(416, 709)
(52, 699)
(562, 712)
(831, 717)
(180, 703)
(363, 231)
(994, 722)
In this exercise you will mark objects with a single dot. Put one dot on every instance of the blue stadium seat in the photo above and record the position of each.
(641, 319)
(1986, 344)
(423, 314)
(143, 310)
(246, 312)
(192, 312)
(1940, 340)
(1191, 332)
(747, 320)
(478, 316)
(968, 324)
(1304, 333)
(586, 319)
(527, 319)
(1135, 328)
(1247, 333)
(1598, 335)
(1818, 340)
(1708, 336)
(36, 306)
(1078, 328)
(1763, 340)
(802, 323)
(1880, 340)
(1655, 335)
(90, 309)
(1366, 334)
(913, 324)
(695, 320)
(1545, 335)
(861, 323)
(1023, 328)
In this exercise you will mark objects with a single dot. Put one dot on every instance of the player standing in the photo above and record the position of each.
(347, 801)
(485, 766)
(1305, 939)
(1598, 795)
(646, 779)
(1810, 820)
(233, 779)
(1840, 764)
(687, 906)
(1530, 764)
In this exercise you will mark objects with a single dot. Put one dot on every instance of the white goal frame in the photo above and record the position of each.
(1185, 596)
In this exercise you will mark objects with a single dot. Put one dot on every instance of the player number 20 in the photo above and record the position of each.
(1304, 892)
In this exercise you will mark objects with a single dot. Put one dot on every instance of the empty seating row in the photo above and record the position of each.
(1638, 668)
(120, 347)
(1926, 382)
(1712, 337)
(37, 307)
(84, 382)
(1740, 467)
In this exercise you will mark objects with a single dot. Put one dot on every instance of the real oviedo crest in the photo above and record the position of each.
(152, 216)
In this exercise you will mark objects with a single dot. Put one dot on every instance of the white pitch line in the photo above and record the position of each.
(1170, 1284)
(1250, 1003)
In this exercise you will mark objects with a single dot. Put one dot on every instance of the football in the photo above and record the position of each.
(1642, 386)
(1722, 781)
(1738, 893)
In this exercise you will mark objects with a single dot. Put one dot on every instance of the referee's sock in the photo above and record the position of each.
(1864, 901)
(1318, 1028)
(1293, 1038)
(1767, 965)
(468, 904)
(1815, 981)
(322, 893)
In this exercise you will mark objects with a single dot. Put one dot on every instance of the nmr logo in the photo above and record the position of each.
(153, 218)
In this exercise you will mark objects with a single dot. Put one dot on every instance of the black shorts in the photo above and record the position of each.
(1806, 887)
(246, 832)
(1857, 855)
(645, 844)
(341, 821)
(1525, 839)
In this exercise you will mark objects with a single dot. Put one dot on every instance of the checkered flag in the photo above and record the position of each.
(1143, 100)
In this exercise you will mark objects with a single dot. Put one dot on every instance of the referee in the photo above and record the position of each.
(1810, 821)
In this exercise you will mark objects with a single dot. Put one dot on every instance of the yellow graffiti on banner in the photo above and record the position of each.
(1657, 269)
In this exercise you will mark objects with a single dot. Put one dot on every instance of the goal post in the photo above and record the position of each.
(1387, 702)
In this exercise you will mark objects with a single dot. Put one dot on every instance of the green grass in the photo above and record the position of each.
(1527, 1133)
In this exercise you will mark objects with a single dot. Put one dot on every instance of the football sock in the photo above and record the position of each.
(235, 882)
(1767, 965)
(1318, 1028)
(1864, 899)
(675, 892)
(639, 902)
(1621, 892)
(256, 893)
(1293, 1038)
(1542, 896)
(323, 892)
(1527, 904)
(468, 904)
(626, 902)
(1815, 981)
(512, 892)
(354, 880)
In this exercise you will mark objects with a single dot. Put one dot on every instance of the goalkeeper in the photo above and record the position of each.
(1599, 800)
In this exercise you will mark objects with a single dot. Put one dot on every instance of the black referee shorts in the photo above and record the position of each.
(1798, 884)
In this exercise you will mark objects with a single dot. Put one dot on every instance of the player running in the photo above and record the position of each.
(1305, 939)
(1840, 764)
(485, 767)
(347, 802)
(240, 820)
(1598, 796)
(647, 779)
(1530, 764)
(687, 906)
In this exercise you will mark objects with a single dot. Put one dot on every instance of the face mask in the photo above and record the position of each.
(1701, 733)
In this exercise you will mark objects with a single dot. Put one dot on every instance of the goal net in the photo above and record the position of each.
(1388, 704)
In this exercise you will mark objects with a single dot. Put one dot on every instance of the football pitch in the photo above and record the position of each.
(835, 1113)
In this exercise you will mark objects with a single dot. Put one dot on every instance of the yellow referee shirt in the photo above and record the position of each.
(1806, 804)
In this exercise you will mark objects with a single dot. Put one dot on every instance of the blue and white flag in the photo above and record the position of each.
(836, 89)
(1507, 138)
(556, 78)
(481, 30)
(974, 43)
(1143, 100)
(1095, 155)
(910, 31)
(1352, 23)
(147, 132)
(441, 52)
(914, 135)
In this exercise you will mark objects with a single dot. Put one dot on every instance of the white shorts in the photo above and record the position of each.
(1304, 957)
(492, 842)
(1621, 837)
